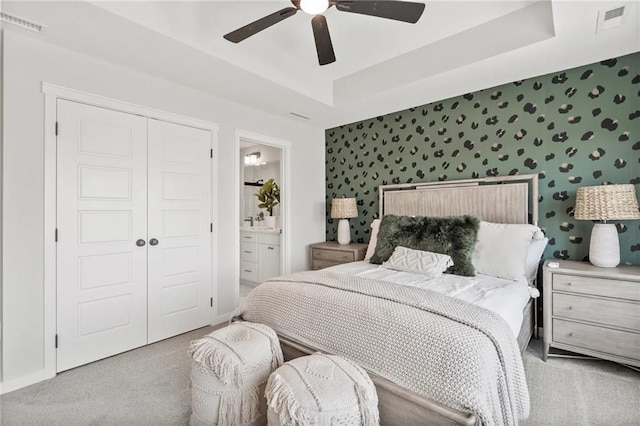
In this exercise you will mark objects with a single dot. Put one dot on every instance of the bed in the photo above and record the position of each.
(504, 200)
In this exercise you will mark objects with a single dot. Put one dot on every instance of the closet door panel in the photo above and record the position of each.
(101, 213)
(179, 265)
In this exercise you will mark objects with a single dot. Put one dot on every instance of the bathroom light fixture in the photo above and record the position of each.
(251, 159)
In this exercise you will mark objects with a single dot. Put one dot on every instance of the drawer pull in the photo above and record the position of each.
(571, 334)
(247, 251)
(569, 284)
(247, 238)
(247, 270)
(570, 307)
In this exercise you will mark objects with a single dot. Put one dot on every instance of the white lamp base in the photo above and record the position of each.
(604, 248)
(344, 232)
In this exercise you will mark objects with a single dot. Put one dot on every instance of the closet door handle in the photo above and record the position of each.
(153, 242)
(141, 242)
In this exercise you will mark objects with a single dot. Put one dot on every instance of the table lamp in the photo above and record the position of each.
(606, 202)
(343, 209)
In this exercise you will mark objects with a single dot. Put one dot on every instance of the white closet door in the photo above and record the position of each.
(179, 283)
(101, 212)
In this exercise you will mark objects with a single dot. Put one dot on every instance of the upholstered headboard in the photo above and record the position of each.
(508, 199)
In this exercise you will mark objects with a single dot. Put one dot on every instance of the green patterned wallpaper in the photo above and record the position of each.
(575, 127)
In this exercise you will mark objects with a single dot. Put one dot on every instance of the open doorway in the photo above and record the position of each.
(262, 205)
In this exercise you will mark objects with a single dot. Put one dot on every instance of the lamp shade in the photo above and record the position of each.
(344, 208)
(606, 202)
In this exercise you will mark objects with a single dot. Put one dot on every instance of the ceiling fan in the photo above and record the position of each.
(391, 9)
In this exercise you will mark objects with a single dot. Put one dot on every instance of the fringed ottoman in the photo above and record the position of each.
(321, 390)
(229, 373)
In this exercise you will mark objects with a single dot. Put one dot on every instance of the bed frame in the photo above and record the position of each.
(509, 199)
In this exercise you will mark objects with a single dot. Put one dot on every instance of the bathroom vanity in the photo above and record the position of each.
(259, 254)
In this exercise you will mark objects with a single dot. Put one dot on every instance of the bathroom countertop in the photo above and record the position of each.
(260, 229)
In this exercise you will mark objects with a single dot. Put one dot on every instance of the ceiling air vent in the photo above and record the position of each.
(612, 18)
(300, 116)
(21, 22)
(614, 13)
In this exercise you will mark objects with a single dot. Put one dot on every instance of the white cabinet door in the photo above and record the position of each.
(268, 261)
(101, 213)
(179, 271)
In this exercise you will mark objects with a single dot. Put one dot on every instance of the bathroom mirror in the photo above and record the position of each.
(260, 163)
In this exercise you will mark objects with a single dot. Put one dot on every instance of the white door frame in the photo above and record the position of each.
(52, 93)
(285, 203)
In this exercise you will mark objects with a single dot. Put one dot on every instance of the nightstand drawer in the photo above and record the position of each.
(338, 256)
(608, 312)
(610, 341)
(321, 264)
(597, 286)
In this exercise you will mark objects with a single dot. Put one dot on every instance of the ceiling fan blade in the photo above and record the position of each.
(261, 24)
(398, 10)
(323, 40)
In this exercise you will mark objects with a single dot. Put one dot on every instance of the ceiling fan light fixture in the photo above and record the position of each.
(314, 7)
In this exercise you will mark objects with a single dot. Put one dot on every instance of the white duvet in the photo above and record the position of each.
(505, 297)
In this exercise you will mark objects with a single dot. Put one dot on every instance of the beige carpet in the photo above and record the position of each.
(580, 392)
(150, 386)
(146, 386)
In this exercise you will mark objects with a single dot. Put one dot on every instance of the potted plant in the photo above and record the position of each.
(269, 197)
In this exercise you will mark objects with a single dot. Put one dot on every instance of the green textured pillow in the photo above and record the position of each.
(455, 236)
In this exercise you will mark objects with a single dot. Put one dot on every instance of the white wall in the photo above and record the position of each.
(1, 223)
(27, 63)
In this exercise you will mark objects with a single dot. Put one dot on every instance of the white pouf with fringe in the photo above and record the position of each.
(321, 390)
(229, 373)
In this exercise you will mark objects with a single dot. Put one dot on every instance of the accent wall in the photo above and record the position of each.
(577, 127)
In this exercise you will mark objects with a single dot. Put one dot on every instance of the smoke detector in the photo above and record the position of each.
(612, 17)
(21, 22)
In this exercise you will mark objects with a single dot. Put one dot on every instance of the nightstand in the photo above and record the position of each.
(331, 253)
(593, 311)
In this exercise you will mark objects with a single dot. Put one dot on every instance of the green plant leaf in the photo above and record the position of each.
(269, 195)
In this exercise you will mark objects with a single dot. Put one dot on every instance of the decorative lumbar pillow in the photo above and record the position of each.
(418, 261)
(454, 236)
(371, 248)
(501, 250)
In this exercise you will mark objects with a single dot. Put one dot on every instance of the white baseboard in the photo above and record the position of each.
(222, 318)
(24, 381)
(40, 375)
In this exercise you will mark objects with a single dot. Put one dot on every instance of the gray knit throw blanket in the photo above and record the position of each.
(456, 353)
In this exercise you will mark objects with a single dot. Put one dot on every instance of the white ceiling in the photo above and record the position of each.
(382, 65)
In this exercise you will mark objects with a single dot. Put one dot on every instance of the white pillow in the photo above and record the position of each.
(418, 261)
(371, 248)
(501, 249)
(534, 254)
